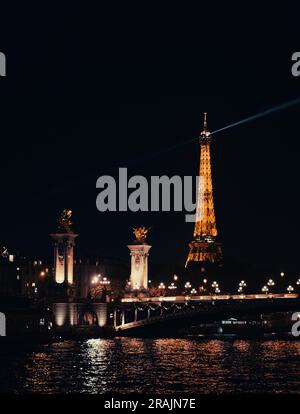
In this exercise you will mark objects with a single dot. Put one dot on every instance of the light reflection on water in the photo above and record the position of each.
(153, 366)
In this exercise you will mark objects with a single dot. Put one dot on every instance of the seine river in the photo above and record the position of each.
(153, 366)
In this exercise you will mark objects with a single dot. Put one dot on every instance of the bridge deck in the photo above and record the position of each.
(197, 309)
(206, 298)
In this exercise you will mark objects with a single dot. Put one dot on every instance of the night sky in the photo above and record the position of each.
(89, 91)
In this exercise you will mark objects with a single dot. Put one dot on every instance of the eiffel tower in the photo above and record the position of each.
(204, 248)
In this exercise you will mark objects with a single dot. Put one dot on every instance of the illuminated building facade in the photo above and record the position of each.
(204, 247)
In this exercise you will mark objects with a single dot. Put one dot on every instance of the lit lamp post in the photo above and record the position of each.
(242, 285)
(298, 282)
(172, 286)
(99, 285)
(265, 289)
(215, 286)
(193, 291)
(95, 280)
(271, 283)
(95, 285)
(162, 288)
(187, 286)
(104, 283)
(290, 289)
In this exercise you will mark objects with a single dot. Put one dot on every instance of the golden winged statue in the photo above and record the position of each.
(140, 233)
(64, 221)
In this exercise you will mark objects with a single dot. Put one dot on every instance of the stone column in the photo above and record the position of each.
(139, 267)
(64, 257)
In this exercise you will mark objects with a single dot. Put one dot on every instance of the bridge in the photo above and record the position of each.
(166, 315)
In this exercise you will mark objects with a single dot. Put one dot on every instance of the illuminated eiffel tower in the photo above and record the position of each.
(204, 247)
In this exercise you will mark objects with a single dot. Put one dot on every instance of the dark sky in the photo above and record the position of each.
(89, 91)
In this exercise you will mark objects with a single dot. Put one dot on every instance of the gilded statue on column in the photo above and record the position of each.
(64, 222)
(140, 234)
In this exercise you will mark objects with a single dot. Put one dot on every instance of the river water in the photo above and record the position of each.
(126, 365)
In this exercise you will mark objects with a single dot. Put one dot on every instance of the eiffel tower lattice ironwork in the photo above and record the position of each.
(204, 248)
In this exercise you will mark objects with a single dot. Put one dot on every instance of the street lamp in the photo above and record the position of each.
(271, 283)
(290, 289)
(95, 280)
(172, 286)
(104, 281)
(242, 285)
(187, 285)
(298, 282)
(215, 286)
(265, 289)
(193, 291)
(175, 277)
